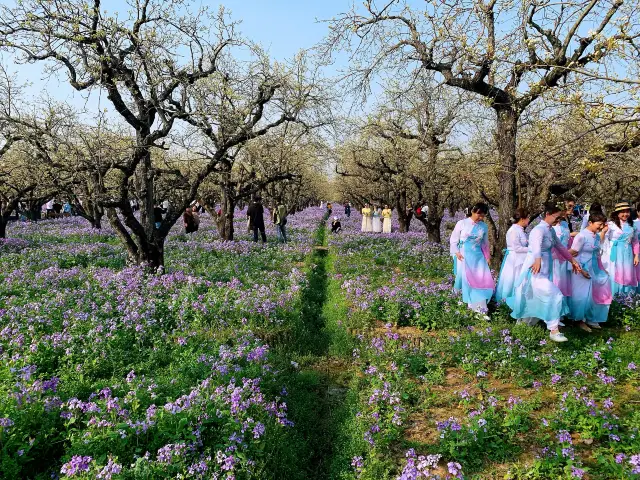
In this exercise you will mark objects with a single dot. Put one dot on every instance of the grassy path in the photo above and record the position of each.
(321, 350)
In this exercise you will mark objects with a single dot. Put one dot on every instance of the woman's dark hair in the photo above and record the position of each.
(615, 218)
(551, 209)
(480, 208)
(597, 217)
(596, 208)
(638, 208)
(519, 214)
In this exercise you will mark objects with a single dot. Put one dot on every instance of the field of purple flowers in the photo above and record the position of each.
(244, 361)
(109, 372)
(440, 392)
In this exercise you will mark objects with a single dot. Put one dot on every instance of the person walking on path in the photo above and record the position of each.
(386, 219)
(469, 247)
(347, 209)
(255, 212)
(280, 219)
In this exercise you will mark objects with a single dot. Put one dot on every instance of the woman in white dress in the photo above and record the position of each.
(386, 219)
(591, 297)
(621, 251)
(514, 255)
(377, 220)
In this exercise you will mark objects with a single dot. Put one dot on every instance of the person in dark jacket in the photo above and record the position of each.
(336, 226)
(347, 209)
(255, 212)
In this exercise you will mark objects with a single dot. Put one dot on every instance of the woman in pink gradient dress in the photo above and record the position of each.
(535, 294)
(469, 245)
(621, 251)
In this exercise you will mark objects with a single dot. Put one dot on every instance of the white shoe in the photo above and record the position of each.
(558, 337)
(594, 325)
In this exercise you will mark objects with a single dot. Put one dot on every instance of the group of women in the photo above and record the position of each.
(376, 220)
(553, 273)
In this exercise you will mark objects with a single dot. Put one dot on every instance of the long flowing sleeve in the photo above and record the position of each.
(455, 238)
(585, 221)
(535, 243)
(560, 249)
(635, 243)
(578, 242)
(485, 243)
(519, 242)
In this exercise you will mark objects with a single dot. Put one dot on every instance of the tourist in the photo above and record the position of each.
(386, 219)
(66, 209)
(469, 245)
(514, 255)
(329, 209)
(366, 218)
(49, 207)
(567, 222)
(347, 209)
(376, 220)
(255, 212)
(191, 220)
(281, 222)
(158, 211)
(535, 295)
(593, 208)
(620, 250)
(336, 226)
(591, 291)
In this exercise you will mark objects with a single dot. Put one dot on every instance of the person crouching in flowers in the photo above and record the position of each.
(591, 297)
(514, 255)
(620, 251)
(469, 245)
(535, 294)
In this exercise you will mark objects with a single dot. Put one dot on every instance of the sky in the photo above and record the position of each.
(282, 27)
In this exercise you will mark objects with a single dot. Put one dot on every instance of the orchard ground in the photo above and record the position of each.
(331, 357)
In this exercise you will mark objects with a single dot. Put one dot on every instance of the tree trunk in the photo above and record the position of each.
(506, 135)
(404, 217)
(152, 256)
(3, 227)
(432, 224)
(97, 222)
(225, 221)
